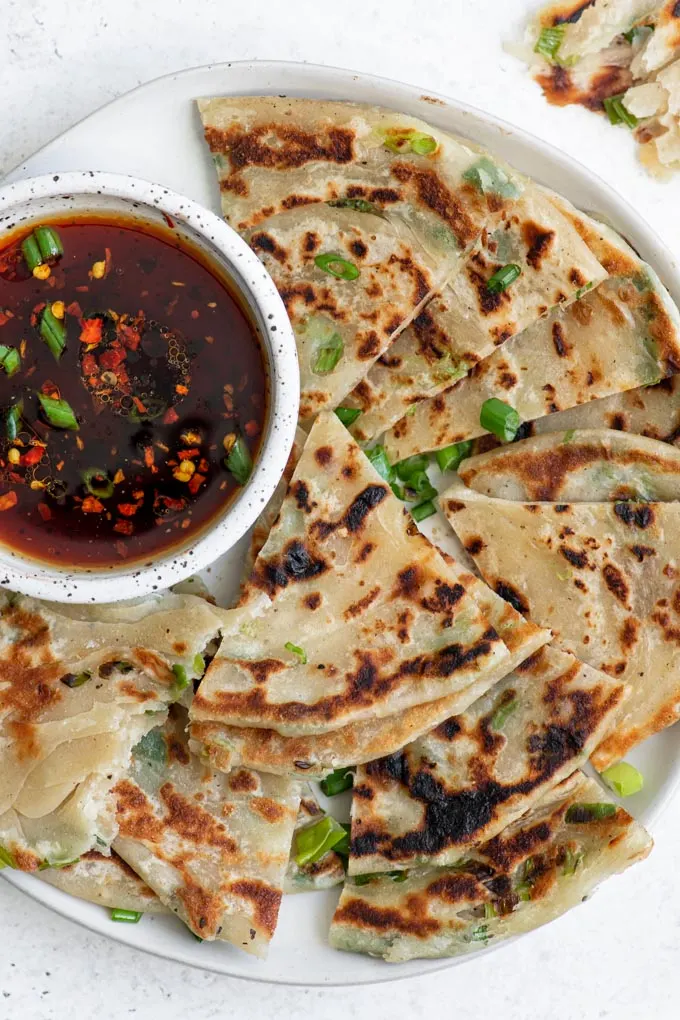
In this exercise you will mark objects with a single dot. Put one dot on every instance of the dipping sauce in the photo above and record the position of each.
(133, 392)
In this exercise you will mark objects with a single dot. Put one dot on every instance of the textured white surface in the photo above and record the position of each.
(617, 955)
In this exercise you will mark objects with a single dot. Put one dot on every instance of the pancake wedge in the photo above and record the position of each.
(473, 775)
(106, 882)
(214, 848)
(365, 619)
(535, 870)
(603, 576)
(79, 686)
(350, 281)
(588, 465)
(315, 755)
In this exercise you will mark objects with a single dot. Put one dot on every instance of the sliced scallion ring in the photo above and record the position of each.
(199, 665)
(359, 204)
(378, 458)
(239, 461)
(336, 265)
(414, 465)
(503, 712)
(338, 781)
(450, 458)
(53, 332)
(549, 42)
(623, 778)
(49, 243)
(181, 676)
(423, 145)
(31, 252)
(347, 415)
(500, 419)
(423, 510)
(97, 482)
(328, 354)
(13, 420)
(297, 651)
(73, 680)
(316, 840)
(58, 413)
(10, 360)
(503, 277)
(617, 112)
(584, 813)
(125, 916)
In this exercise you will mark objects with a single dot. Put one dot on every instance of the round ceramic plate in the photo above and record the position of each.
(155, 133)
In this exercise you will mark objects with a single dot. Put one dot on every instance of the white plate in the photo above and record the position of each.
(155, 133)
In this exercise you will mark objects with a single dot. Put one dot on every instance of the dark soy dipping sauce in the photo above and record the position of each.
(173, 367)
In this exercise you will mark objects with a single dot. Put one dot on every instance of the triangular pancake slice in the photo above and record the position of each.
(316, 755)
(367, 619)
(79, 686)
(603, 577)
(214, 848)
(467, 322)
(535, 870)
(350, 281)
(478, 771)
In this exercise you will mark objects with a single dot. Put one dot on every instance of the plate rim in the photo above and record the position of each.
(319, 77)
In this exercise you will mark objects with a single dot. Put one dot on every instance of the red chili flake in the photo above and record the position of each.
(129, 336)
(210, 339)
(91, 331)
(89, 364)
(124, 527)
(195, 482)
(44, 511)
(50, 389)
(170, 416)
(60, 465)
(203, 465)
(181, 389)
(9, 500)
(112, 358)
(35, 314)
(74, 309)
(5, 315)
(138, 493)
(91, 505)
(14, 477)
(252, 428)
(82, 290)
(128, 509)
(189, 454)
(148, 450)
(142, 410)
(195, 314)
(121, 548)
(174, 504)
(32, 456)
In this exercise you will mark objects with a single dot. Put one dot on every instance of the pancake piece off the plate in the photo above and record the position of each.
(350, 281)
(478, 771)
(213, 847)
(79, 686)
(359, 616)
(603, 576)
(315, 755)
(535, 870)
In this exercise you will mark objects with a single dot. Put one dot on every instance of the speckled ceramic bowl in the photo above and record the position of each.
(40, 198)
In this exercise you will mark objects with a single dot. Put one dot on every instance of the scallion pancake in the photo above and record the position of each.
(316, 755)
(78, 688)
(473, 775)
(214, 848)
(542, 865)
(105, 881)
(604, 577)
(366, 619)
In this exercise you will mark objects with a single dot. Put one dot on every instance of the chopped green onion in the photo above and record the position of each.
(502, 713)
(489, 911)
(579, 813)
(412, 465)
(478, 934)
(316, 840)
(499, 418)
(399, 491)
(337, 782)
(360, 204)
(549, 42)
(59, 413)
(126, 916)
(10, 360)
(31, 252)
(568, 436)
(617, 112)
(623, 778)
(363, 879)
(572, 859)
(328, 354)
(296, 650)
(7, 859)
(76, 679)
(53, 332)
(423, 145)
(638, 33)
(584, 290)
(181, 676)
(423, 489)
(13, 420)
(97, 482)
(378, 459)
(152, 748)
(347, 415)
(239, 461)
(503, 277)
(342, 847)
(449, 459)
(488, 178)
(397, 876)
(423, 510)
(49, 243)
(337, 266)
(199, 665)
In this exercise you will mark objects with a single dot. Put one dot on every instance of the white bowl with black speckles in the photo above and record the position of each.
(31, 201)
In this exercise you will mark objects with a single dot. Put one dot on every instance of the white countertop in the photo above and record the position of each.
(617, 955)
